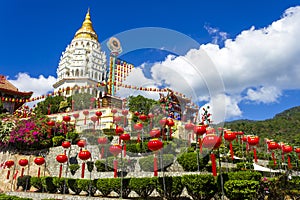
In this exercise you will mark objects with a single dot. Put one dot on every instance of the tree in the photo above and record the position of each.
(49, 104)
(141, 104)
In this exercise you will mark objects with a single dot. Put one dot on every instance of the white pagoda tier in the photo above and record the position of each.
(82, 64)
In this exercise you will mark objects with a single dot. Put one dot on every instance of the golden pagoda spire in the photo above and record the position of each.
(86, 30)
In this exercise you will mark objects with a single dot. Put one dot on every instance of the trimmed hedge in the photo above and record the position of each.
(241, 189)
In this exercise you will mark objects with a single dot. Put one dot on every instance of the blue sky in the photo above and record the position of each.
(237, 35)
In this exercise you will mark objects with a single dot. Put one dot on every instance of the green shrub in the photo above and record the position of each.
(244, 166)
(73, 168)
(201, 186)
(103, 166)
(189, 161)
(241, 189)
(9, 197)
(73, 185)
(146, 163)
(24, 182)
(143, 186)
(57, 140)
(170, 187)
(90, 165)
(61, 185)
(245, 175)
(104, 187)
(88, 186)
(37, 183)
(73, 136)
(47, 182)
(116, 182)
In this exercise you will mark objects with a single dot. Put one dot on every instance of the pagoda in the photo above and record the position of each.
(83, 64)
(10, 96)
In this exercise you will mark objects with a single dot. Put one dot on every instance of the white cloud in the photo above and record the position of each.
(39, 86)
(265, 60)
(263, 94)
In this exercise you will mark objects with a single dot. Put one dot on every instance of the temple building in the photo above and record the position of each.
(83, 64)
(10, 96)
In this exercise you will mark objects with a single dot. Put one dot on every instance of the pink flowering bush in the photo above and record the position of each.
(34, 133)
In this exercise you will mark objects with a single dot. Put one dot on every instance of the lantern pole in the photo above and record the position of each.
(67, 167)
(220, 169)
(197, 151)
(12, 181)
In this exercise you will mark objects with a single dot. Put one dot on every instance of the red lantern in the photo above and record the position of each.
(114, 111)
(94, 119)
(66, 144)
(81, 144)
(102, 141)
(66, 118)
(170, 123)
(61, 158)
(115, 150)
(155, 133)
(23, 162)
(39, 161)
(163, 122)
(155, 145)
(212, 141)
(230, 136)
(51, 123)
(200, 129)
(136, 113)
(76, 115)
(138, 126)
(143, 117)
(125, 137)
(98, 113)
(86, 113)
(273, 146)
(119, 130)
(288, 149)
(253, 141)
(116, 119)
(151, 116)
(9, 164)
(124, 113)
(84, 155)
(297, 150)
(189, 127)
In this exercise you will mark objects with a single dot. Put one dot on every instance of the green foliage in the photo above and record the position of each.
(37, 183)
(189, 161)
(88, 186)
(201, 186)
(48, 184)
(90, 165)
(57, 140)
(5, 128)
(82, 101)
(241, 189)
(276, 128)
(245, 175)
(73, 136)
(172, 189)
(143, 186)
(43, 106)
(73, 168)
(24, 182)
(9, 197)
(61, 185)
(102, 166)
(73, 185)
(104, 187)
(146, 163)
(140, 104)
(244, 166)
